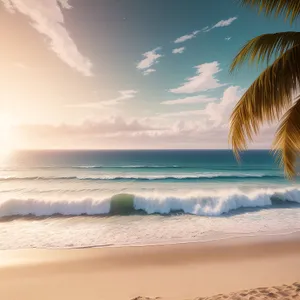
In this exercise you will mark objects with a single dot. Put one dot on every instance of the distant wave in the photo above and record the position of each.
(179, 177)
(199, 168)
(131, 167)
(10, 178)
(202, 204)
(102, 167)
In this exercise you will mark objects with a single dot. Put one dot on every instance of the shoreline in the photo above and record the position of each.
(223, 237)
(180, 271)
(233, 242)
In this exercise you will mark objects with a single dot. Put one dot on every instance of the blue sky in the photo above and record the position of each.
(124, 73)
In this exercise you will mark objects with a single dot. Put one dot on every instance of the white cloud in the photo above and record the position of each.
(104, 127)
(189, 100)
(150, 58)
(185, 113)
(202, 128)
(207, 127)
(205, 29)
(203, 81)
(148, 71)
(224, 23)
(47, 18)
(217, 112)
(124, 95)
(178, 50)
(186, 37)
(220, 112)
(228, 38)
(8, 5)
(65, 4)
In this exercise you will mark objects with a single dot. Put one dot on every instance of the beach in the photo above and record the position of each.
(135, 164)
(180, 271)
(127, 224)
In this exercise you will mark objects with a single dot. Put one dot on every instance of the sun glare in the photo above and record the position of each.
(6, 135)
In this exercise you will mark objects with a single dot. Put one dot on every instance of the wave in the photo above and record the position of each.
(146, 167)
(199, 167)
(10, 178)
(133, 167)
(204, 203)
(179, 177)
(102, 167)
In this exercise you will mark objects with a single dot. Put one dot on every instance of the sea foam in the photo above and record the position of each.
(201, 203)
(148, 177)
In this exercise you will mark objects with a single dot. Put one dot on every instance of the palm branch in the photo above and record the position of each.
(287, 139)
(289, 8)
(271, 94)
(264, 47)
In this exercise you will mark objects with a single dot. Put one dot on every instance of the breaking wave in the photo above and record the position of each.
(202, 203)
(179, 177)
(132, 167)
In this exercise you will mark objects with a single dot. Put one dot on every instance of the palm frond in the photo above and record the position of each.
(266, 46)
(266, 99)
(289, 8)
(287, 139)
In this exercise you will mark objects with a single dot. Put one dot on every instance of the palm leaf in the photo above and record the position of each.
(287, 139)
(266, 46)
(266, 99)
(289, 8)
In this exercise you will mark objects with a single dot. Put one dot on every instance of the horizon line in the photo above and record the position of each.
(138, 149)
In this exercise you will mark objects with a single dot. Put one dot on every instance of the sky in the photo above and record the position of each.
(124, 74)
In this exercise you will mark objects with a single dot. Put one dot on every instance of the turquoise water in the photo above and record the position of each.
(88, 198)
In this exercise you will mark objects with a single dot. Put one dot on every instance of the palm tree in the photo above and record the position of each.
(274, 95)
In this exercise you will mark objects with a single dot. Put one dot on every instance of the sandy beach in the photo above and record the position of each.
(182, 271)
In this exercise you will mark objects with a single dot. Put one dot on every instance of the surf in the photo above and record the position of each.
(201, 203)
(148, 177)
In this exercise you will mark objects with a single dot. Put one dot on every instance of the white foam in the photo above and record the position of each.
(142, 177)
(214, 204)
(202, 203)
(23, 207)
(137, 230)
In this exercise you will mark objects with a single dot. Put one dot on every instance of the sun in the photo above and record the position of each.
(6, 135)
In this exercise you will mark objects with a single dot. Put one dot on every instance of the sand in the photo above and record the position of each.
(182, 271)
(287, 292)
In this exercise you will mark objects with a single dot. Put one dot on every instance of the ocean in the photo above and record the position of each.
(63, 199)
